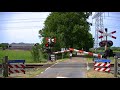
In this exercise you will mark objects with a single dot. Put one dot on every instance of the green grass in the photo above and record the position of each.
(31, 73)
(17, 54)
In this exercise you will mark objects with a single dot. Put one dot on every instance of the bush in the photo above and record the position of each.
(37, 53)
(4, 45)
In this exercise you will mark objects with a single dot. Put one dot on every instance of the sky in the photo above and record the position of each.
(21, 26)
(111, 21)
(24, 26)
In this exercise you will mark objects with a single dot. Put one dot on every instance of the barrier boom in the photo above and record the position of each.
(80, 51)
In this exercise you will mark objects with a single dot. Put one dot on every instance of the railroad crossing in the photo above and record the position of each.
(70, 68)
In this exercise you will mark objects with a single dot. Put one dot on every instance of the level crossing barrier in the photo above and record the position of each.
(102, 65)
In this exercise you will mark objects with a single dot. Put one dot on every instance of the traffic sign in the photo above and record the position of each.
(53, 40)
(102, 60)
(107, 34)
(16, 61)
(100, 31)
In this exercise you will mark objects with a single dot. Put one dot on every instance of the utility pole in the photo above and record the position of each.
(106, 39)
(98, 26)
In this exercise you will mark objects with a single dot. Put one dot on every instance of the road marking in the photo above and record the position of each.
(88, 68)
(47, 68)
(61, 77)
(51, 66)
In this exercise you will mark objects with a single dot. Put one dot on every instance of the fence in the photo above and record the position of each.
(11, 66)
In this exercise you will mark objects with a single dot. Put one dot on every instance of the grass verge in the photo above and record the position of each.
(30, 73)
(97, 74)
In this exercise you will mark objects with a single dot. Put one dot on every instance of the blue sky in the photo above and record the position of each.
(111, 21)
(24, 26)
(21, 26)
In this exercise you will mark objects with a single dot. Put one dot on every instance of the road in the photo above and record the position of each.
(74, 68)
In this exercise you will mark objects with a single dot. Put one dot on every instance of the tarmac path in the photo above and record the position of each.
(74, 68)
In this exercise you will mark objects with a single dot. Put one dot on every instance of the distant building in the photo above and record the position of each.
(21, 46)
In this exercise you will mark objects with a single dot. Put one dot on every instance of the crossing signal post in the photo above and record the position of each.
(106, 39)
(50, 43)
(46, 45)
(107, 34)
(103, 43)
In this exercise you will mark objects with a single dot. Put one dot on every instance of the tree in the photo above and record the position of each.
(4, 45)
(71, 29)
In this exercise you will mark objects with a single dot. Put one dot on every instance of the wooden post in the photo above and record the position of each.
(5, 66)
(62, 55)
(115, 67)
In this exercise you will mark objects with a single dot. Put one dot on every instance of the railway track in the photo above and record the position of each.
(48, 65)
(35, 65)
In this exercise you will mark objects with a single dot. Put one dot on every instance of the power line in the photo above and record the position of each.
(22, 22)
(18, 29)
(23, 13)
(23, 19)
(112, 16)
(24, 27)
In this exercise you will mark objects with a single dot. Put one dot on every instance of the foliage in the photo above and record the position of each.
(115, 48)
(36, 53)
(4, 45)
(71, 29)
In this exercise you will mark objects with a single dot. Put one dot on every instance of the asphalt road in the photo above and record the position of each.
(75, 68)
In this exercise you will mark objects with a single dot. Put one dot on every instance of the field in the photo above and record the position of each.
(17, 54)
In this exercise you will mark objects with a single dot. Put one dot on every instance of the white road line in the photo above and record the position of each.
(41, 72)
(61, 77)
(88, 68)
(50, 67)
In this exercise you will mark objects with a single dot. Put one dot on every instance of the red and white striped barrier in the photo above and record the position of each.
(16, 68)
(102, 64)
(88, 53)
(79, 51)
(61, 51)
(102, 67)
